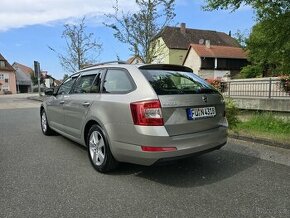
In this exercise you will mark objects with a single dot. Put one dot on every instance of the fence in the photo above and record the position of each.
(258, 87)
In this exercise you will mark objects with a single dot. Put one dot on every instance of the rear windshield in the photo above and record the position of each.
(166, 82)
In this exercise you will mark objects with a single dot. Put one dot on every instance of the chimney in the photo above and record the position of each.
(207, 43)
(183, 28)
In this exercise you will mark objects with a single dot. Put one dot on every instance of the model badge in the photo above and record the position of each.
(204, 98)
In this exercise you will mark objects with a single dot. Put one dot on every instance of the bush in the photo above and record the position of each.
(251, 71)
(218, 84)
(231, 113)
(285, 83)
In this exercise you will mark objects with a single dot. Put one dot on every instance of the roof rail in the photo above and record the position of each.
(108, 62)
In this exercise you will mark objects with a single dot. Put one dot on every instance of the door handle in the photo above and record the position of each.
(86, 104)
(61, 102)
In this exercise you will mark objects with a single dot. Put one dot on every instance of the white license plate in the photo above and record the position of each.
(199, 113)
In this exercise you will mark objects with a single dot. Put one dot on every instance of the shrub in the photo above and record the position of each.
(251, 71)
(231, 113)
(285, 83)
(218, 84)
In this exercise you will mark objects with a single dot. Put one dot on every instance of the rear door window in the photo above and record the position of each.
(89, 82)
(167, 82)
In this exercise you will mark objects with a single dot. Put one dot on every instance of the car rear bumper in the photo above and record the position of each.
(187, 145)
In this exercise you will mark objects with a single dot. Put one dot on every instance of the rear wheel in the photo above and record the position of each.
(99, 151)
(44, 124)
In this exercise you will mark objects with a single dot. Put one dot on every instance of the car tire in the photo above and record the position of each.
(44, 124)
(99, 151)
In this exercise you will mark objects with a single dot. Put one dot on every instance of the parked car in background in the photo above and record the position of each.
(141, 114)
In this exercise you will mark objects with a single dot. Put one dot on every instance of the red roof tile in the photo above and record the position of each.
(23, 68)
(219, 51)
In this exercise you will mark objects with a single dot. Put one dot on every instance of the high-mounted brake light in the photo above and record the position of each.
(147, 113)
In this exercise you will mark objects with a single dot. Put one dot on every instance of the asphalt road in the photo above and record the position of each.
(43, 176)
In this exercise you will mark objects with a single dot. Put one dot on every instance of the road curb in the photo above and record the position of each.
(259, 140)
(36, 98)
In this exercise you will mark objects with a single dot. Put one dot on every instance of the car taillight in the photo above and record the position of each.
(147, 113)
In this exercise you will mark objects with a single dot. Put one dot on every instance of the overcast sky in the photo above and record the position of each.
(28, 27)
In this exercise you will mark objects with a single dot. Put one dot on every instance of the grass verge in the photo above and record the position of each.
(265, 126)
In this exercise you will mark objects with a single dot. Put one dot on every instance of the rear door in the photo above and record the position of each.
(188, 103)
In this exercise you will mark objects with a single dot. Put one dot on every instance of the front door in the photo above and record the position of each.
(55, 105)
(79, 101)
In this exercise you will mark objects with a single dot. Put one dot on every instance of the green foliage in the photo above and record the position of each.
(242, 37)
(232, 113)
(35, 79)
(269, 45)
(266, 122)
(251, 71)
(139, 29)
(265, 9)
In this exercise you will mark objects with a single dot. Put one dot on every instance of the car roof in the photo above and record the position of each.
(123, 64)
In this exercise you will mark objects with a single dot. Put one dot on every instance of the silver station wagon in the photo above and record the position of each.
(141, 114)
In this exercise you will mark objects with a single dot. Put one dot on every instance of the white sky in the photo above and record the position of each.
(20, 13)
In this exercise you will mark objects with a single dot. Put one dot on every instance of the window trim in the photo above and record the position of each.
(71, 77)
(134, 87)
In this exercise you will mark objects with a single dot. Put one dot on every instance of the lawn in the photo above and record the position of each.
(265, 126)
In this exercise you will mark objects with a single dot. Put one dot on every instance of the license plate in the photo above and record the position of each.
(200, 113)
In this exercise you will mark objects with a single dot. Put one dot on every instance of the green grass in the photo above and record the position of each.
(265, 125)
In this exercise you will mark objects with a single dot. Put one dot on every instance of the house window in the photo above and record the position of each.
(207, 63)
(2, 64)
(230, 64)
(6, 80)
(2, 76)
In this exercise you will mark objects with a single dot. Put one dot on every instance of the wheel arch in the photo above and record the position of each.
(88, 125)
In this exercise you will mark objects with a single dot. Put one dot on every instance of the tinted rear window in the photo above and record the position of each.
(166, 82)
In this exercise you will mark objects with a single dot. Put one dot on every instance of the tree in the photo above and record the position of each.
(241, 37)
(65, 76)
(268, 45)
(139, 29)
(82, 48)
(265, 8)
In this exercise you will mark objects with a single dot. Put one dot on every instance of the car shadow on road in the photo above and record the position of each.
(192, 172)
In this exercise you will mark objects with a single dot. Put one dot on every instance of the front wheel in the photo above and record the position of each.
(99, 151)
(44, 124)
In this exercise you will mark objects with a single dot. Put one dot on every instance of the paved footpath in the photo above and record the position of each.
(18, 101)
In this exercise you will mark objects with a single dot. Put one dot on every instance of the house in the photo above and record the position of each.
(135, 60)
(172, 43)
(50, 81)
(7, 77)
(215, 61)
(23, 77)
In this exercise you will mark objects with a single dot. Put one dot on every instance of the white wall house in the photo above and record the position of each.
(215, 62)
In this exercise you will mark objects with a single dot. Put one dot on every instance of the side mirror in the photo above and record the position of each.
(49, 91)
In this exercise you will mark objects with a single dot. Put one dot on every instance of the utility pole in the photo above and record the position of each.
(37, 73)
